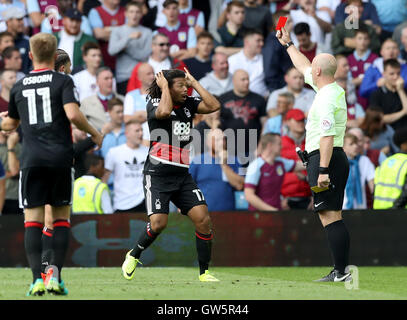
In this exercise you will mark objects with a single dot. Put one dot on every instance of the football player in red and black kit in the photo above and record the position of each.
(44, 103)
(170, 112)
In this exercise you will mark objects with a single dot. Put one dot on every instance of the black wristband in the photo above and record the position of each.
(11, 150)
(287, 45)
(323, 170)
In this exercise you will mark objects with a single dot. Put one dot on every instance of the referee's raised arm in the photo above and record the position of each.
(300, 62)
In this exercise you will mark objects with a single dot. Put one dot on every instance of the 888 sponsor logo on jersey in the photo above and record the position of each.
(182, 130)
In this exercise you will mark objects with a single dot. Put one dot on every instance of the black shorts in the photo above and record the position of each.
(338, 174)
(46, 185)
(180, 189)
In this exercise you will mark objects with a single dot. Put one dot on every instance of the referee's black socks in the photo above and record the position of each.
(204, 248)
(338, 239)
(147, 237)
(33, 247)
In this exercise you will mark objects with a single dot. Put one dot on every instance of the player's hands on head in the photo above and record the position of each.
(161, 80)
(3, 114)
(190, 78)
(283, 36)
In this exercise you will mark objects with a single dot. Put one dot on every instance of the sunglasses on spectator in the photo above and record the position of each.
(163, 44)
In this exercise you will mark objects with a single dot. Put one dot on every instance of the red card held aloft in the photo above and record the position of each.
(281, 23)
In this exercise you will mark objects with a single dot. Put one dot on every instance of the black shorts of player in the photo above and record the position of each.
(180, 189)
(331, 199)
(46, 185)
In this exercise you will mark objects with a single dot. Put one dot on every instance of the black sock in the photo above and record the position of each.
(338, 239)
(60, 242)
(204, 248)
(147, 237)
(33, 247)
(46, 248)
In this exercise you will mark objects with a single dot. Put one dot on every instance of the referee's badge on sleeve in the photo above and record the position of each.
(326, 124)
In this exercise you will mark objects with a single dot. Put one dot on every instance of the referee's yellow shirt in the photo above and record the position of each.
(327, 116)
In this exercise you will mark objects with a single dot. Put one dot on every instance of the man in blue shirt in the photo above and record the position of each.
(216, 174)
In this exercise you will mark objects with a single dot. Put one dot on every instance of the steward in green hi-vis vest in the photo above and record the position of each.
(389, 181)
(87, 196)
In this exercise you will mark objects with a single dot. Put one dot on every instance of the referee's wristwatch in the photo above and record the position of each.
(287, 45)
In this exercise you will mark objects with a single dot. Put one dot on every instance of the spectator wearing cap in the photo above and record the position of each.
(285, 102)
(6, 4)
(54, 21)
(131, 44)
(71, 38)
(182, 37)
(295, 188)
(14, 18)
(102, 20)
(295, 85)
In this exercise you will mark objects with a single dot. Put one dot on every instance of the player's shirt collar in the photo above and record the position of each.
(41, 70)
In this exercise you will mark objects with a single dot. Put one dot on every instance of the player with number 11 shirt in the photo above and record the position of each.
(45, 104)
(170, 112)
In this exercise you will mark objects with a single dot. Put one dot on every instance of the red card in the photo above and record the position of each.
(281, 23)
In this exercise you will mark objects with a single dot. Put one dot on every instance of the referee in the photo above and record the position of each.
(327, 163)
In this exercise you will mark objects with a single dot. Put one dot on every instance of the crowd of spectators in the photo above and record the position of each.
(117, 46)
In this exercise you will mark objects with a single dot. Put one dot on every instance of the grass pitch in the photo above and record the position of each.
(260, 283)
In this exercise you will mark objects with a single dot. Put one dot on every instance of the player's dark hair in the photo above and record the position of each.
(89, 46)
(62, 59)
(301, 28)
(8, 52)
(92, 160)
(169, 2)
(114, 102)
(391, 63)
(154, 92)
